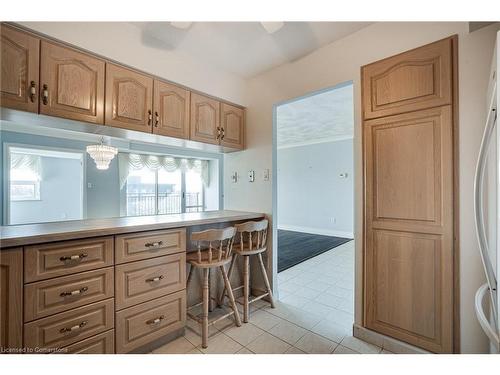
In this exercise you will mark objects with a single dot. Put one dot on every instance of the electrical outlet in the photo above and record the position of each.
(333, 220)
(266, 174)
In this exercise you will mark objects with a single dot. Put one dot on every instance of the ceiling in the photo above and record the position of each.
(319, 118)
(245, 48)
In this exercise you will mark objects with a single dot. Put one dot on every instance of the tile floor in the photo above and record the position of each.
(314, 315)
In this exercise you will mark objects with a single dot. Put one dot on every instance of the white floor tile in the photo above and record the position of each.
(244, 334)
(221, 344)
(360, 346)
(268, 344)
(288, 332)
(315, 344)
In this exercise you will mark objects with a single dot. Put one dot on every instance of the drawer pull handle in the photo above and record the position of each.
(73, 257)
(156, 320)
(74, 328)
(74, 292)
(154, 279)
(153, 244)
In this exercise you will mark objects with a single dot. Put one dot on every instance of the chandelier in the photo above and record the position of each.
(102, 154)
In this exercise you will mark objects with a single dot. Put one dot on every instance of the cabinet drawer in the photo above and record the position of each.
(145, 245)
(68, 327)
(67, 257)
(103, 343)
(48, 297)
(142, 281)
(142, 324)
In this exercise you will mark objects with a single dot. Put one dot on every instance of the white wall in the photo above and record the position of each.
(312, 197)
(123, 42)
(340, 62)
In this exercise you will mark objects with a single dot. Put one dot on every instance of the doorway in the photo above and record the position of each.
(313, 214)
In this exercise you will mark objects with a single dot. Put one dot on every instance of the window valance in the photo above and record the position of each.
(128, 162)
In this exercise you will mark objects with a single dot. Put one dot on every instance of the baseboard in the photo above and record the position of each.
(385, 342)
(324, 232)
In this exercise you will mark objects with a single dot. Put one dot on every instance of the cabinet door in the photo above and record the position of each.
(205, 119)
(72, 84)
(233, 126)
(11, 298)
(129, 99)
(409, 227)
(171, 110)
(19, 62)
(413, 80)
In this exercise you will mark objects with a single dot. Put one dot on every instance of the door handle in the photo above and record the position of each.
(32, 91)
(150, 117)
(45, 95)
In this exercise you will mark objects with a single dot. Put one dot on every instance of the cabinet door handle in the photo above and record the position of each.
(74, 292)
(218, 132)
(155, 320)
(154, 279)
(73, 257)
(150, 117)
(223, 134)
(74, 328)
(45, 95)
(157, 119)
(153, 244)
(32, 91)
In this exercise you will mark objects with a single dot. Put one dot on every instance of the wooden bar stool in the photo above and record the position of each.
(253, 240)
(214, 250)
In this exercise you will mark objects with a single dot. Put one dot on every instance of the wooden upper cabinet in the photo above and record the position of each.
(129, 99)
(233, 126)
(414, 80)
(171, 110)
(71, 84)
(205, 119)
(20, 65)
(11, 298)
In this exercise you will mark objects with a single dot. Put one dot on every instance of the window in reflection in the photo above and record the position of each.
(160, 192)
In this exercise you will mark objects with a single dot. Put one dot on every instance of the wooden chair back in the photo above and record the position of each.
(253, 235)
(218, 243)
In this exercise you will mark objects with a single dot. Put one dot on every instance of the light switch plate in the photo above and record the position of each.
(251, 176)
(234, 177)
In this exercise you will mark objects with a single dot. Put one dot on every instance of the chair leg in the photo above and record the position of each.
(206, 296)
(246, 287)
(231, 296)
(229, 273)
(190, 276)
(210, 302)
(266, 280)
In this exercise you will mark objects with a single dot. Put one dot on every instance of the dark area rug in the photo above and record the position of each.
(296, 247)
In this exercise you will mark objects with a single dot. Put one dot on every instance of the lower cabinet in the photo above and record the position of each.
(103, 343)
(76, 300)
(69, 327)
(11, 298)
(142, 324)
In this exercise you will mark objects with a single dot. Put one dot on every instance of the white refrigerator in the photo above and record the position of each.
(487, 211)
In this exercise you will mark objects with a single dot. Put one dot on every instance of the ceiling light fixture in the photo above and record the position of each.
(102, 154)
(181, 25)
(272, 27)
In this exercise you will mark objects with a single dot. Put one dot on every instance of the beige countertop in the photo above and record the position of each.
(28, 234)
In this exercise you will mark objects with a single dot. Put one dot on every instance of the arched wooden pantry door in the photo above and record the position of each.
(408, 145)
